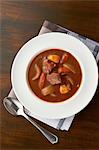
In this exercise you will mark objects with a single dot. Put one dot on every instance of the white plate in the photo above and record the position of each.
(54, 110)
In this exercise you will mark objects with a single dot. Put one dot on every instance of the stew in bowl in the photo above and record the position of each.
(54, 75)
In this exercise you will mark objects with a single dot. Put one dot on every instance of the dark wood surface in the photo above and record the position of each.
(20, 21)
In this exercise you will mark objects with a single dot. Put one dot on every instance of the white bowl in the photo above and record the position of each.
(62, 109)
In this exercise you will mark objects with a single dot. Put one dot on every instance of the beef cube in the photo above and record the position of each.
(54, 78)
(47, 66)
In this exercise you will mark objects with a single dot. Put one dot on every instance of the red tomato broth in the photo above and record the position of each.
(77, 77)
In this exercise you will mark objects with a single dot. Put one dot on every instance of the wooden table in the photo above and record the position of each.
(21, 20)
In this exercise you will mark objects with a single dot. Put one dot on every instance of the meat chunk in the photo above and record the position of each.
(54, 78)
(47, 66)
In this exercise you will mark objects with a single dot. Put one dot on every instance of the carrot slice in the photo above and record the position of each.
(63, 70)
(42, 80)
(64, 58)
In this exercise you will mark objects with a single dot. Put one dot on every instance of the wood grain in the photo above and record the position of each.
(20, 21)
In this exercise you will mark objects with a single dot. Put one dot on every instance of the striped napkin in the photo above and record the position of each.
(65, 123)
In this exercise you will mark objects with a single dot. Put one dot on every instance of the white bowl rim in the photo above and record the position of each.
(52, 112)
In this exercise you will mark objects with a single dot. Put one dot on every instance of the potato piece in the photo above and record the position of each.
(64, 89)
(54, 58)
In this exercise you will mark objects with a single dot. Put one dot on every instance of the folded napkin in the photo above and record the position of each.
(65, 123)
